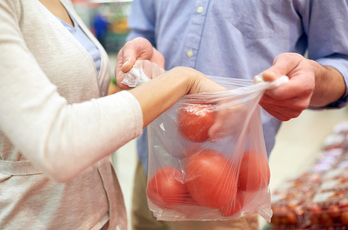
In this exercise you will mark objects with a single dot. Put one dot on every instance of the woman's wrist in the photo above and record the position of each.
(160, 93)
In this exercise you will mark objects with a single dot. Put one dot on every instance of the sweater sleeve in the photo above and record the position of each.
(60, 139)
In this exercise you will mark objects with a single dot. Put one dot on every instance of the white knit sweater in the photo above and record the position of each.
(56, 134)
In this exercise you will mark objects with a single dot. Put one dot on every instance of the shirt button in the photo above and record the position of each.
(189, 53)
(200, 9)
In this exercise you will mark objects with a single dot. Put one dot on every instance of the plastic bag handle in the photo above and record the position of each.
(281, 80)
(135, 77)
(141, 72)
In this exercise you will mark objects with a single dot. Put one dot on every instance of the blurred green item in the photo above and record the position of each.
(267, 227)
(113, 80)
(107, 20)
(114, 42)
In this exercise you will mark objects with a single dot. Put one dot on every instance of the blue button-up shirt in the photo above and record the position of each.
(239, 39)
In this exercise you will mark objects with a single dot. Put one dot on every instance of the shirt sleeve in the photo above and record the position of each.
(60, 139)
(325, 23)
(142, 20)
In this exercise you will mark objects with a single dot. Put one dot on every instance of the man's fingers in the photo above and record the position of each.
(130, 53)
(215, 128)
(282, 113)
(137, 49)
(282, 65)
(288, 100)
(127, 65)
(295, 102)
(157, 58)
(296, 87)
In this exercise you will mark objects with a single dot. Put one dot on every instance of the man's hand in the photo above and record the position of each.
(136, 49)
(310, 84)
(289, 100)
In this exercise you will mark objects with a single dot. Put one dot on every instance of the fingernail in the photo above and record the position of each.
(269, 75)
(258, 79)
(125, 63)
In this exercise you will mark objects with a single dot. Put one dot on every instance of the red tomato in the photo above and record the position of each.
(193, 150)
(276, 220)
(210, 179)
(276, 217)
(195, 120)
(344, 217)
(314, 209)
(325, 219)
(315, 213)
(283, 213)
(343, 204)
(291, 217)
(254, 172)
(235, 206)
(334, 211)
(166, 187)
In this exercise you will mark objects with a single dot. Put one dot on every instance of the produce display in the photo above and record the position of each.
(335, 179)
(328, 208)
(289, 199)
(318, 198)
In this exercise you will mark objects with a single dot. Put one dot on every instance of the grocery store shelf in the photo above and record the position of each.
(298, 144)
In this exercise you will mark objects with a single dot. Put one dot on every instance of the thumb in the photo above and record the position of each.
(283, 64)
(136, 49)
(269, 75)
(127, 65)
(129, 55)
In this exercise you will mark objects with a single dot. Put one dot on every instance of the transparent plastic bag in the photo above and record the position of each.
(195, 176)
(142, 71)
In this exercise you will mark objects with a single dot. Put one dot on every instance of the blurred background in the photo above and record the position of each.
(307, 148)
(107, 19)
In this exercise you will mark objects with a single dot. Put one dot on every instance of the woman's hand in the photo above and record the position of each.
(159, 94)
(229, 119)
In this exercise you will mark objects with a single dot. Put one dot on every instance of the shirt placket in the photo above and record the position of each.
(194, 34)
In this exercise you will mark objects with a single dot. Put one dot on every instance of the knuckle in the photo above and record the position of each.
(122, 86)
(300, 107)
(308, 90)
(296, 114)
(282, 117)
(127, 45)
(289, 60)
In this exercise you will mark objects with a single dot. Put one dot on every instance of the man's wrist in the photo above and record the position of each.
(329, 85)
